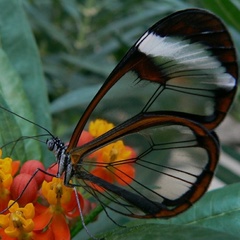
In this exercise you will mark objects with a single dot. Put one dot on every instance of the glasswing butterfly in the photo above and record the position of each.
(184, 68)
(182, 77)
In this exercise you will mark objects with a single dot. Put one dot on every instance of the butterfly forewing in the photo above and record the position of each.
(172, 88)
(185, 63)
(172, 169)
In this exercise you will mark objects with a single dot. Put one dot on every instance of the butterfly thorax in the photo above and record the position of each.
(62, 158)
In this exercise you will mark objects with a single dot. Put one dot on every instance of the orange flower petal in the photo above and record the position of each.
(42, 220)
(133, 153)
(48, 234)
(39, 208)
(60, 228)
(84, 138)
(4, 201)
(4, 236)
(15, 167)
(96, 155)
(124, 174)
(71, 209)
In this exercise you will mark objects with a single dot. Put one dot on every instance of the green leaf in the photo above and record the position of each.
(14, 97)
(19, 45)
(218, 210)
(168, 232)
(22, 82)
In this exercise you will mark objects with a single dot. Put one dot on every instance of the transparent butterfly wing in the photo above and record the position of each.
(172, 88)
(171, 170)
(185, 63)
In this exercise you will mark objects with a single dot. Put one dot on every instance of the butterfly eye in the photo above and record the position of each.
(51, 145)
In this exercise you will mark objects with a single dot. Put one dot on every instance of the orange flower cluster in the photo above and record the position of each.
(44, 207)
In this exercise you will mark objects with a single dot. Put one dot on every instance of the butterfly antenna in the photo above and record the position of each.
(17, 115)
(36, 137)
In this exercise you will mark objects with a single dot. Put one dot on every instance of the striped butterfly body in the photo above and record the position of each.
(181, 76)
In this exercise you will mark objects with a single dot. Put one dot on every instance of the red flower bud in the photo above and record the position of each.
(30, 168)
(29, 193)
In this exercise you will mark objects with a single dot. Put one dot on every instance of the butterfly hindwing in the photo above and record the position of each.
(171, 171)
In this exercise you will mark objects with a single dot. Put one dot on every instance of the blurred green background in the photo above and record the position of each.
(79, 43)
